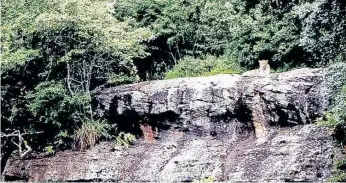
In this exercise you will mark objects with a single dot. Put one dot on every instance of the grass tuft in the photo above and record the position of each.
(90, 132)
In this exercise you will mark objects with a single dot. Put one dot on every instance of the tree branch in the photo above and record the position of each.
(15, 134)
(68, 77)
(21, 141)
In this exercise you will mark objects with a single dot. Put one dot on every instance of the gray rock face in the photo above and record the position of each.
(225, 127)
(301, 153)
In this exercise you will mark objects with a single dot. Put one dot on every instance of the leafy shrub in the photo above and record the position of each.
(261, 32)
(49, 150)
(125, 139)
(336, 117)
(57, 112)
(339, 174)
(191, 67)
(341, 164)
(224, 65)
(90, 132)
(116, 79)
(334, 87)
(334, 78)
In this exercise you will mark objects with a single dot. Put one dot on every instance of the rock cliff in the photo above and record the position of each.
(225, 127)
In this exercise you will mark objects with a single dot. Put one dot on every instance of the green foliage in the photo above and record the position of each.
(70, 35)
(52, 104)
(223, 65)
(54, 54)
(339, 174)
(336, 117)
(90, 132)
(334, 78)
(49, 150)
(195, 26)
(125, 139)
(288, 33)
(11, 61)
(191, 67)
(144, 12)
(181, 28)
(263, 33)
(323, 29)
(295, 34)
(341, 164)
(115, 79)
(59, 112)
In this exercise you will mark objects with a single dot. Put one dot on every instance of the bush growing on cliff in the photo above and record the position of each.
(336, 117)
(56, 112)
(210, 65)
(125, 139)
(90, 132)
(339, 174)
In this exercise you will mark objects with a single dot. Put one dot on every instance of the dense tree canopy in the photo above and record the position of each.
(288, 33)
(55, 53)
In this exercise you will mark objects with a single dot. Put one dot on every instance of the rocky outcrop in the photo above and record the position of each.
(290, 98)
(301, 153)
(227, 127)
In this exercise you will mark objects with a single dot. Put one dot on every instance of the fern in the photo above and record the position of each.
(125, 139)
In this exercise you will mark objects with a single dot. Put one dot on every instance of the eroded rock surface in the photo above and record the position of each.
(228, 127)
(301, 153)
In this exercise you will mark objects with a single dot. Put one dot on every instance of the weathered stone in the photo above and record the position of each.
(287, 98)
(230, 127)
(301, 153)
